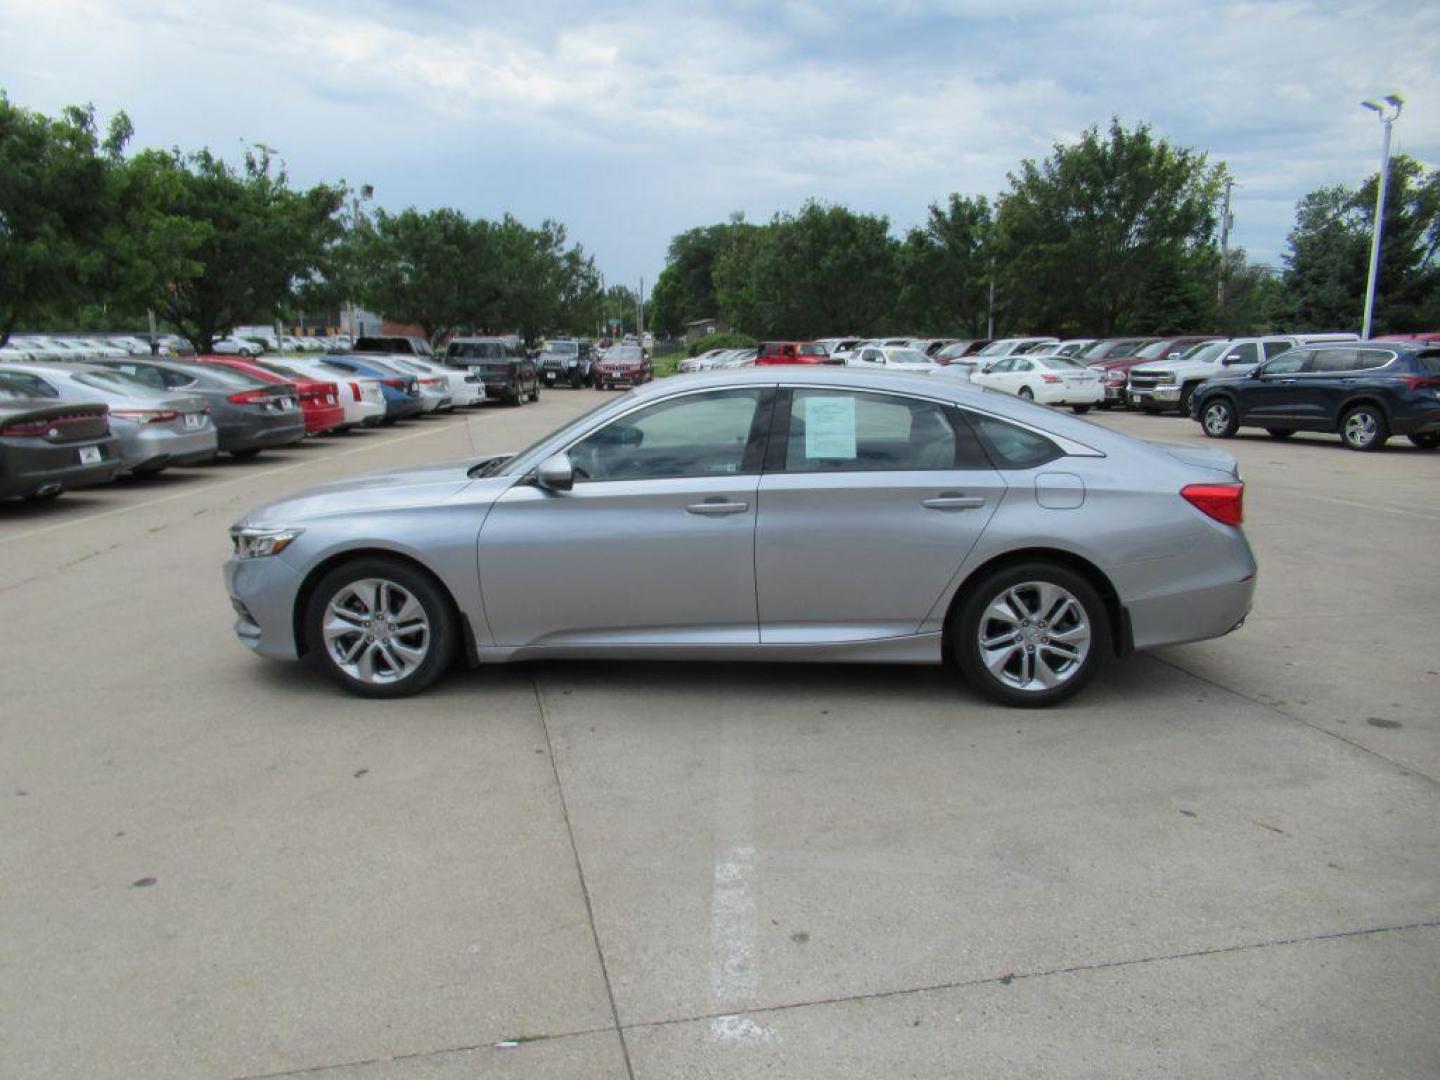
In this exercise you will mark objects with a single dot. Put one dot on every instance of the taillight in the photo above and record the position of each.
(145, 416)
(26, 427)
(1420, 382)
(1051, 378)
(394, 384)
(249, 397)
(355, 391)
(1223, 502)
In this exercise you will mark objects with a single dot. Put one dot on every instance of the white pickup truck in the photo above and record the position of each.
(1168, 384)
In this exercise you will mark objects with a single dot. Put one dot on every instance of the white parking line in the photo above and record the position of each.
(222, 484)
(1381, 509)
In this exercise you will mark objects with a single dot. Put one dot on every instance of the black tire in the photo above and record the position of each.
(1026, 393)
(1079, 410)
(1364, 428)
(1150, 410)
(1218, 419)
(1280, 432)
(1428, 441)
(444, 629)
(1186, 393)
(249, 453)
(517, 398)
(535, 391)
(963, 630)
(43, 496)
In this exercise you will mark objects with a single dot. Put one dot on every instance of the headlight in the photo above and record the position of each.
(258, 543)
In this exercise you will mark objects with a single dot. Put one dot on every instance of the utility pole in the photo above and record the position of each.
(990, 316)
(1396, 102)
(1227, 222)
(154, 337)
(640, 313)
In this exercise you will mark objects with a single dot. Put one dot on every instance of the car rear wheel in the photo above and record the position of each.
(380, 628)
(1364, 428)
(1217, 419)
(247, 454)
(517, 398)
(1080, 410)
(535, 391)
(1030, 635)
(1027, 393)
(1280, 432)
(1428, 441)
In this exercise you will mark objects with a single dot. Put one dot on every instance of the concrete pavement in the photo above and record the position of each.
(1220, 860)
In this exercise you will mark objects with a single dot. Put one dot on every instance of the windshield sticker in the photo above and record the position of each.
(830, 428)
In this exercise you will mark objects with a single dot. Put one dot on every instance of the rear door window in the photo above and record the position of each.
(857, 431)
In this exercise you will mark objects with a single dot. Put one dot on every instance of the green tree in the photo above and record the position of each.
(434, 269)
(1329, 253)
(1109, 234)
(57, 190)
(253, 243)
(944, 268)
(685, 289)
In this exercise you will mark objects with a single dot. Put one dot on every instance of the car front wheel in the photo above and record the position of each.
(1218, 419)
(1030, 635)
(1364, 428)
(381, 628)
(1027, 393)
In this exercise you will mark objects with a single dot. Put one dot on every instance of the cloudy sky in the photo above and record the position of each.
(632, 121)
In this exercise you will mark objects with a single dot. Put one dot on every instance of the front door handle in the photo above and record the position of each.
(717, 507)
(950, 501)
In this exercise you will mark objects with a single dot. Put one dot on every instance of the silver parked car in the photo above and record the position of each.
(763, 514)
(156, 428)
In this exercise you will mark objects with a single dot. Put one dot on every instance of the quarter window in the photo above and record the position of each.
(1012, 446)
(695, 435)
(1327, 360)
(855, 431)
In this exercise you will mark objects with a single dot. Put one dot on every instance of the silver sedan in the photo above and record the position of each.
(763, 514)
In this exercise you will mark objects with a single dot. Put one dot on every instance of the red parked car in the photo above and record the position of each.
(791, 352)
(319, 401)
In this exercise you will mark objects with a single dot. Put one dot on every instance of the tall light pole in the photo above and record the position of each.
(1227, 222)
(365, 194)
(1387, 119)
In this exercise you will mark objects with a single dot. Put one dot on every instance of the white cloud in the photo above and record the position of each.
(631, 122)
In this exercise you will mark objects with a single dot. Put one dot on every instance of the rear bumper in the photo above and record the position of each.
(1192, 615)
(152, 445)
(322, 418)
(26, 469)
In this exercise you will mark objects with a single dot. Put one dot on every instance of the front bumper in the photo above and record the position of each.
(263, 593)
(1155, 395)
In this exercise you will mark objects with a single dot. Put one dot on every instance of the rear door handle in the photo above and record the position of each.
(953, 502)
(716, 508)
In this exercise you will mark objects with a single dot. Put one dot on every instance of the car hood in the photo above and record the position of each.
(394, 490)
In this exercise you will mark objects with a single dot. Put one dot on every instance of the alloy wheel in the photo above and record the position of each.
(1217, 419)
(1361, 428)
(1034, 636)
(376, 631)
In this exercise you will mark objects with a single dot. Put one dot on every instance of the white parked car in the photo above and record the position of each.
(1014, 346)
(233, 346)
(361, 396)
(892, 358)
(464, 387)
(1050, 380)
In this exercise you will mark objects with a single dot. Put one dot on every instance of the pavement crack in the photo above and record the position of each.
(1012, 977)
(580, 873)
(1409, 770)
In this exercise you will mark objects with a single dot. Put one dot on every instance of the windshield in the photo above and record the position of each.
(813, 350)
(115, 381)
(563, 348)
(1060, 363)
(908, 356)
(477, 350)
(279, 371)
(223, 376)
(1156, 350)
(626, 354)
(1207, 353)
(997, 348)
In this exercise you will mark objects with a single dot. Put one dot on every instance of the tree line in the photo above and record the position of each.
(92, 236)
(1114, 234)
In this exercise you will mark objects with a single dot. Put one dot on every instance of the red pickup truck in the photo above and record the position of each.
(791, 352)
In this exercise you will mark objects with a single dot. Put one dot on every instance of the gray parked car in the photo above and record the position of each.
(249, 415)
(156, 429)
(773, 514)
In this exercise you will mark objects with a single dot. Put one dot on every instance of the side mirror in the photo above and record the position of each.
(1254, 372)
(556, 473)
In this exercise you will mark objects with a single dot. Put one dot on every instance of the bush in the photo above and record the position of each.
(721, 341)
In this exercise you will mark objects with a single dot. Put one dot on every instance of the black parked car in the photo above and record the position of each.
(508, 373)
(1364, 391)
(249, 415)
(568, 362)
(47, 446)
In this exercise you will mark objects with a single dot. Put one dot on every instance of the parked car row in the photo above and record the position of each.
(66, 424)
(85, 347)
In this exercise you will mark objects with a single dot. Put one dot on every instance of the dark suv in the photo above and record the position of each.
(564, 360)
(509, 375)
(1364, 391)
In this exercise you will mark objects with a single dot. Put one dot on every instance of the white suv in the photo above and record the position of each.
(1169, 384)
